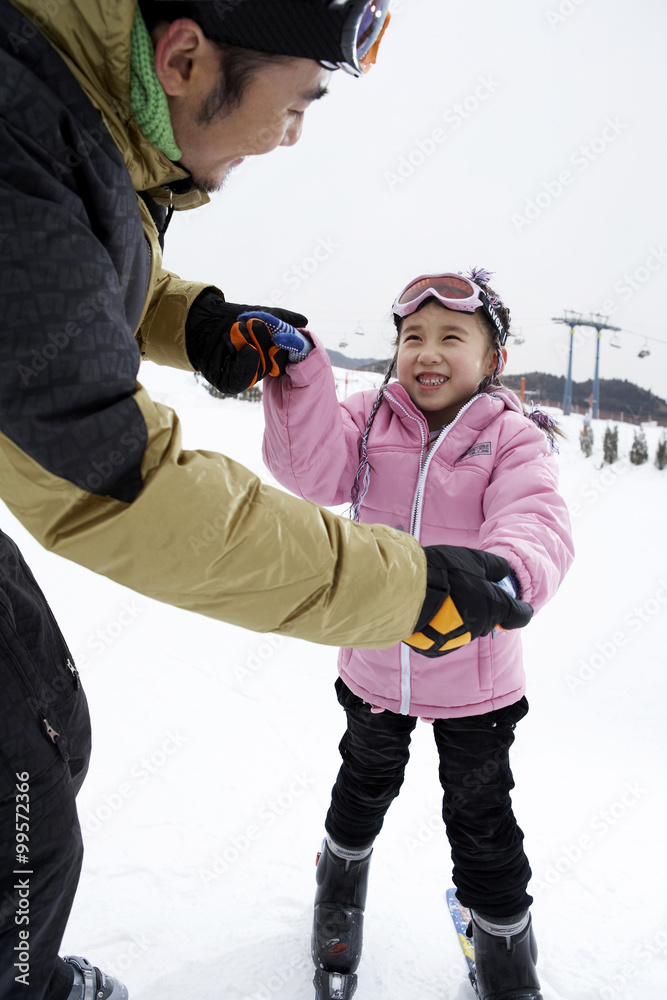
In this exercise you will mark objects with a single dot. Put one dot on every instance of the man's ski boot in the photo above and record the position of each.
(505, 957)
(338, 923)
(91, 984)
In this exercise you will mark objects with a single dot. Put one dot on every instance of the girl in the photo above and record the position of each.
(446, 453)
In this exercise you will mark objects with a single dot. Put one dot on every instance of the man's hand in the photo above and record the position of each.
(463, 601)
(230, 352)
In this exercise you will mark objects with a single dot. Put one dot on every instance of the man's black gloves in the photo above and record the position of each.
(234, 354)
(463, 600)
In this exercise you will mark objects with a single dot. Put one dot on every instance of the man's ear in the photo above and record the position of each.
(177, 46)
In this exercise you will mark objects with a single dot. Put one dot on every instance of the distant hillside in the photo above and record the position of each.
(355, 364)
(616, 395)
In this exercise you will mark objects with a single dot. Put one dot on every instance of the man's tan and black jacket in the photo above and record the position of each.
(88, 462)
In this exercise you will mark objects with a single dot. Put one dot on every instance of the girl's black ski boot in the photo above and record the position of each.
(338, 922)
(505, 962)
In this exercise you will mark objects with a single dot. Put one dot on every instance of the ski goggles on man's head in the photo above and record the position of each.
(337, 34)
(452, 291)
(365, 24)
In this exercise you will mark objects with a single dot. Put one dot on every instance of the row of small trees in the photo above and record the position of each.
(638, 452)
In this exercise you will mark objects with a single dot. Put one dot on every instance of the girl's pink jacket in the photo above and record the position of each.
(489, 481)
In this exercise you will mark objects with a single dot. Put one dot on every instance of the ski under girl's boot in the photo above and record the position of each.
(505, 957)
(338, 923)
(91, 984)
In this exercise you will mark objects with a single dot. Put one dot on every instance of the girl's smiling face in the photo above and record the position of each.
(442, 358)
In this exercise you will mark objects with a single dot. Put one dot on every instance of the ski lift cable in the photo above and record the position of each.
(644, 336)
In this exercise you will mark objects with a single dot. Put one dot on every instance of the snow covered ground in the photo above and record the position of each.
(215, 750)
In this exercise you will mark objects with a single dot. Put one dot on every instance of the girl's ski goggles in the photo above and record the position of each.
(454, 292)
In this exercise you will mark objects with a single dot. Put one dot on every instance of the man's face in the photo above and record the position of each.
(270, 114)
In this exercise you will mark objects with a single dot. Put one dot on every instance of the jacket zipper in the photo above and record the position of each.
(34, 700)
(415, 523)
(415, 527)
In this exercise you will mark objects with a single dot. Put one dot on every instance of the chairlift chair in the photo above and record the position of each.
(615, 342)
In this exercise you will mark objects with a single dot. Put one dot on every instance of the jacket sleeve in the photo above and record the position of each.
(161, 330)
(525, 518)
(95, 469)
(311, 441)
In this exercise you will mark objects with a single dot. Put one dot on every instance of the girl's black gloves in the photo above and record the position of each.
(462, 600)
(234, 354)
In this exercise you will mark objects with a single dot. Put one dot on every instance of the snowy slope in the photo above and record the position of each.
(215, 750)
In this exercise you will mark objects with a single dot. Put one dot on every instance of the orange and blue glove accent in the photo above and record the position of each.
(467, 596)
(297, 343)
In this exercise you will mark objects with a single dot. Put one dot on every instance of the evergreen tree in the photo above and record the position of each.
(586, 440)
(639, 450)
(661, 454)
(610, 446)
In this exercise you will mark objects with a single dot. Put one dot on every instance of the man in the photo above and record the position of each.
(109, 122)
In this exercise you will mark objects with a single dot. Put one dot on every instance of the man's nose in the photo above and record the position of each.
(292, 132)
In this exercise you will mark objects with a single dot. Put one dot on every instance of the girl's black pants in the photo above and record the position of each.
(491, 870)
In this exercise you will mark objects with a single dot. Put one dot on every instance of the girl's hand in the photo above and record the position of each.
(296, 342)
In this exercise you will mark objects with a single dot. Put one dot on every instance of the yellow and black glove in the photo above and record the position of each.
(231, 351)
(464, 600)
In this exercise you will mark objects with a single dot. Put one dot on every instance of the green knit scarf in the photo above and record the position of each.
(149, 101)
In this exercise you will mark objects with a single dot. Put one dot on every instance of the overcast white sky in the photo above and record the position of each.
(527, 136)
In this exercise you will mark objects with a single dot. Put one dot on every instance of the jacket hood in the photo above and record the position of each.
(93, 38)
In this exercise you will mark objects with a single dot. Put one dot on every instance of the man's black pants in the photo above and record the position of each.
(44, 753)
(491, 870)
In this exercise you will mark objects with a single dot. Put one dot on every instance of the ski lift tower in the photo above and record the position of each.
(599, 322)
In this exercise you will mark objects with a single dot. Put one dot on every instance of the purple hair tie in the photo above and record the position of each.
(480, 275)
(545, 423)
